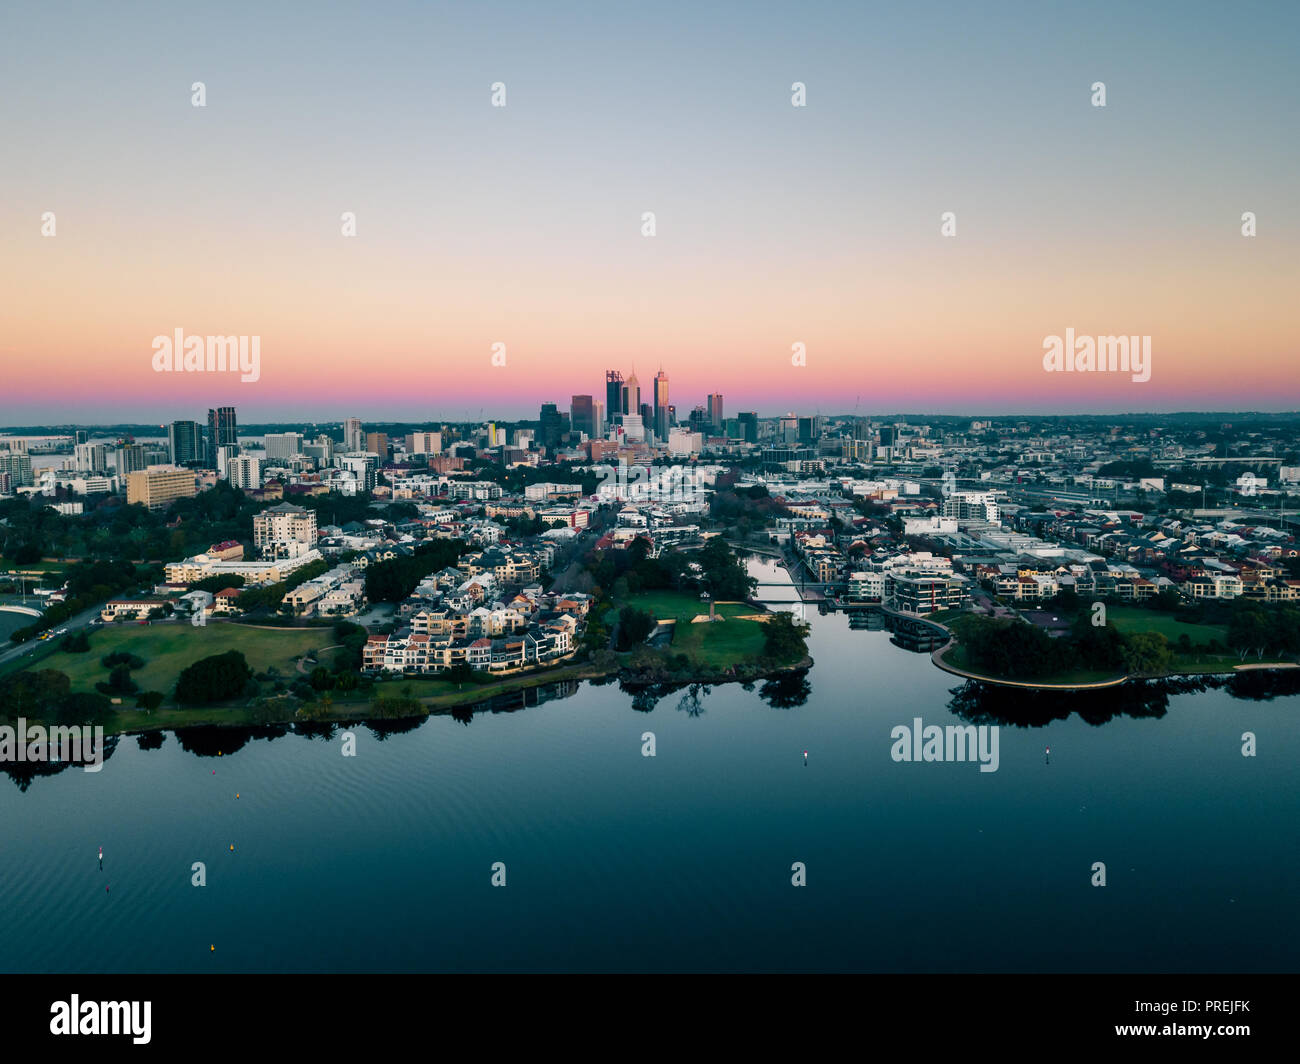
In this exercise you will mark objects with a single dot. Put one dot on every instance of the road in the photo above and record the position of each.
(12, 651)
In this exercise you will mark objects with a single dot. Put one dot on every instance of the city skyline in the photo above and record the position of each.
(772, 226)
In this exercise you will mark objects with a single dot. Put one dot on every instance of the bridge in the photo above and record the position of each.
(20, 609)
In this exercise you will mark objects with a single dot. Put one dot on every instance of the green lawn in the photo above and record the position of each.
(720, 643)
(682, 605)
(169, 648)
(1132, 619)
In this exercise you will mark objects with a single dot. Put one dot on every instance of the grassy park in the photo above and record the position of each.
(717, 645)
(1133, 619)
(682, 606)
(169, 648)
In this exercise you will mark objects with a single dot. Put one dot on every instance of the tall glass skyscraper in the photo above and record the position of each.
(222, 432)
(661, 406)
(582, 415)
(613, 396)
(185, 443)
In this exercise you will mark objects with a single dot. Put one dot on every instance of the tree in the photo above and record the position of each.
(1147, 654)
(77, 642)
(214, 679)
(634, 626)
(784, 640)
(149, 700)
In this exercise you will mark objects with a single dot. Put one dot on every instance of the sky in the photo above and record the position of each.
(522, 225)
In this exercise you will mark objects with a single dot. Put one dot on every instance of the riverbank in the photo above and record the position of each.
(1083, 680)
(434, 695)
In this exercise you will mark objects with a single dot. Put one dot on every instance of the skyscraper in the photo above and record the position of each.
(353, 438)
(551, 427)
(222, 432)
(661, 406)
(632, 390)
(185, 443)
(749, 424)
(582, 415)
(715, 411)
(613, 396)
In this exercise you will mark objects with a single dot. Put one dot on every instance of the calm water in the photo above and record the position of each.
(681, 861)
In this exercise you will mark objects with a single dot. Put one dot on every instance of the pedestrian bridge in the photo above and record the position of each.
(20, 609)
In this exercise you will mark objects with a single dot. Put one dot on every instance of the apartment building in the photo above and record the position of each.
(284, 531)
(157, 489)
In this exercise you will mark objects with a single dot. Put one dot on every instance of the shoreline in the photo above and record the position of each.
(359, 712)
(936, 658)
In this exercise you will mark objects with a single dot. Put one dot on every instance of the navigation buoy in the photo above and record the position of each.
(236, 794)
(212, 949)
(232, 847)
(805, 757)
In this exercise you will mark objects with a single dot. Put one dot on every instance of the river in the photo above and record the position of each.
(615, 861)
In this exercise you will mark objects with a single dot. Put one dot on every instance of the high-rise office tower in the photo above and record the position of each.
(598, 417)
(353, 437)
(551, 427)
(810, 429)
(749, 423)
(661, 406)
(613, 396)
(185, 443)
(715, 411)
(582, 415)
(632, 392)
(377, 443)
(222, 432)
(82, 436)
